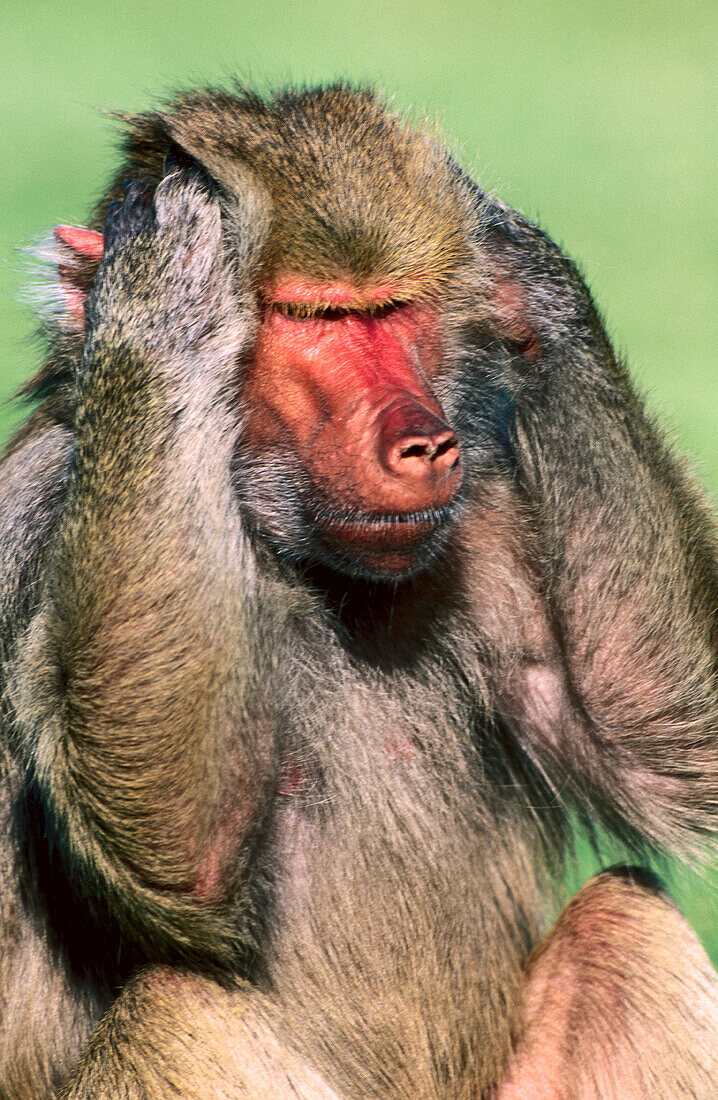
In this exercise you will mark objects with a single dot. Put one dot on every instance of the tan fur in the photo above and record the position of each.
(297, 828)
(343, 176)
(590, 1034)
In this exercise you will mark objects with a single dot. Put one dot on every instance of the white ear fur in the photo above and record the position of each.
(59, 289)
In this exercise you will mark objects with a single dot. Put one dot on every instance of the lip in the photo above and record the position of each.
(389, 533)
(385, 547)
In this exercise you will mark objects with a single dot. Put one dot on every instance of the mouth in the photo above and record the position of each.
(291, 512)
(400, 531)
(388, 547)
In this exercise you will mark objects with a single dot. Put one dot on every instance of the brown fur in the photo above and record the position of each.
(323, 813)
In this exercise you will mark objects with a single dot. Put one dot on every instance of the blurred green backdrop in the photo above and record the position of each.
(599, 119)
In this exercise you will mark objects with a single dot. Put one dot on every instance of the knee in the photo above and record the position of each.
(622, 939)
(621, 1000)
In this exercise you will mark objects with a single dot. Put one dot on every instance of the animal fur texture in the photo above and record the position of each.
(277, 825)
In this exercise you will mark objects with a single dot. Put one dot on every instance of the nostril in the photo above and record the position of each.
(421, 449)
(446, 452)
(430, 449)
(423, 456)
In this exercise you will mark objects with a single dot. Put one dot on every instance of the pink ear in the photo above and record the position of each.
(510, 305)
(79, 253)
(86, 242)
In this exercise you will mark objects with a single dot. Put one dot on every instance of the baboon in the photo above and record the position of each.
(343, 573)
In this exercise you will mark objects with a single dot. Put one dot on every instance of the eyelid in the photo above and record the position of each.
(330, 312)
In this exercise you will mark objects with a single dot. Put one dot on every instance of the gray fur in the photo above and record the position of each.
(318, 818)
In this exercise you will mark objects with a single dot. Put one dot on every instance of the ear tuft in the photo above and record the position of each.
(76, 255)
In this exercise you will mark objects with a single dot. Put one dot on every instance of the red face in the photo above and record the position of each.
(346, 456)
(347, 395)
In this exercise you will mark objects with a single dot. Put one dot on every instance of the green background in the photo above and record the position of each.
(597, 118)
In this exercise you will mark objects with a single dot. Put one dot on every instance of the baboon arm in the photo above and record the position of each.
(631, 588)
(125, 681)
(149, 1046)
(621, 693)
(130, 681)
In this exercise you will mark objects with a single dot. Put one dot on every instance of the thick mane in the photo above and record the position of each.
(392, 211)
(398, 212)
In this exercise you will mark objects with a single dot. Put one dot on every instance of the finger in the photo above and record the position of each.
(186, 194)
(131, 216)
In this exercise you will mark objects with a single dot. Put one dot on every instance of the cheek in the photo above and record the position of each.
(281, 408)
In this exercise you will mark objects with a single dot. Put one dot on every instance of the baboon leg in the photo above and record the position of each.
(172, 1033)
(621, 1002)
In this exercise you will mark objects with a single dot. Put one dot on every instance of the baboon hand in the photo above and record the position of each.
(167, 288)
